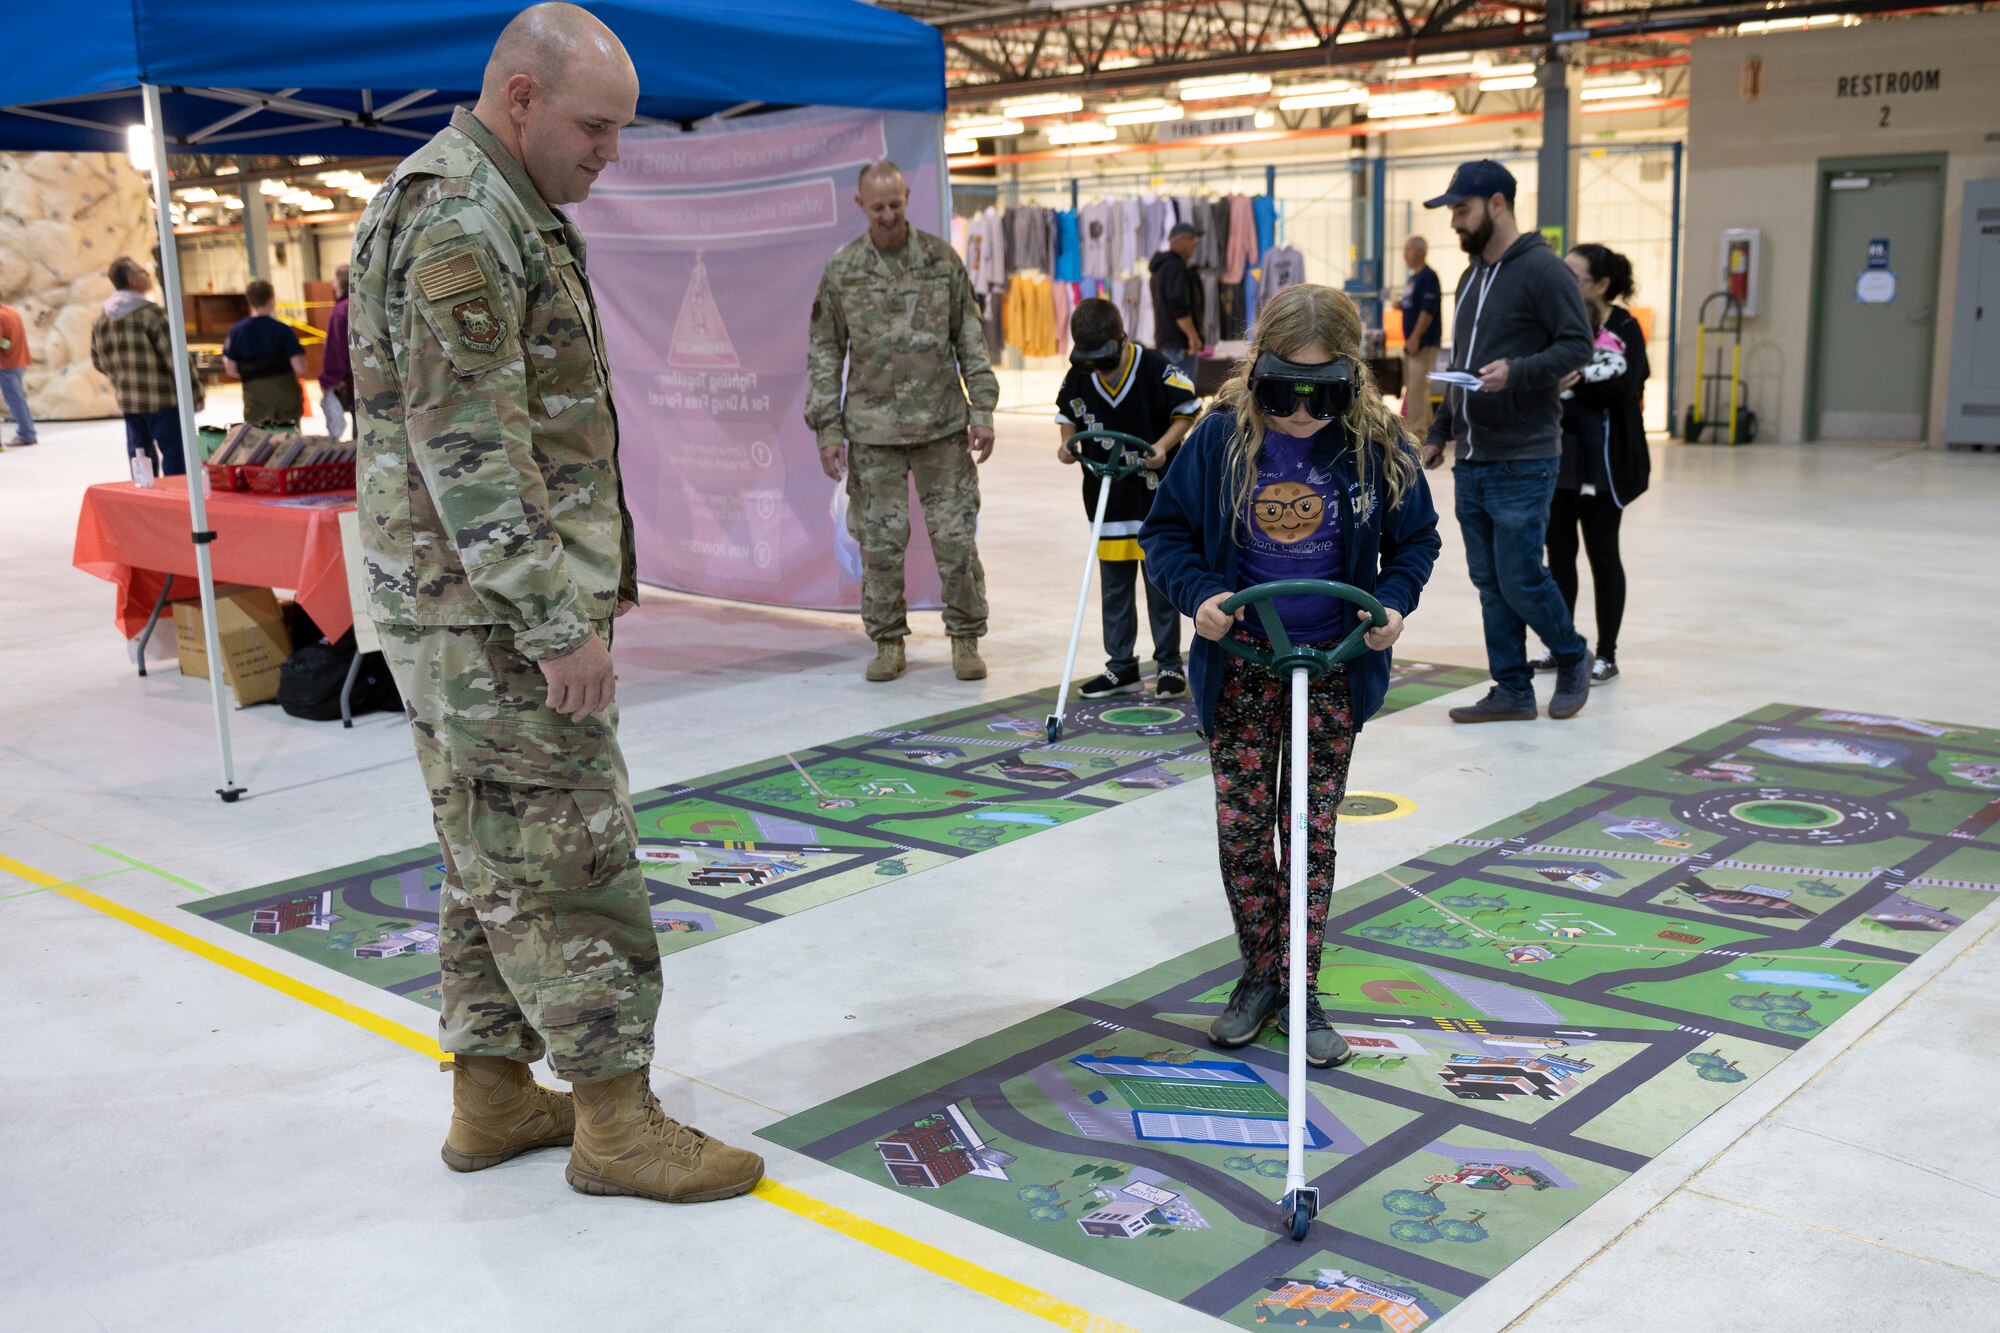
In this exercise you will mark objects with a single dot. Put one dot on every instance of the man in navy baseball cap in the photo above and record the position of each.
(1475, 180)
(1520, 325)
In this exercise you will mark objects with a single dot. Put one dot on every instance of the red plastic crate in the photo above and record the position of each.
(224, 476)
(296, 480)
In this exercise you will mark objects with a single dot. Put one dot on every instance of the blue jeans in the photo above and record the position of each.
(158, 436)
(17, 405)
(1503, 512)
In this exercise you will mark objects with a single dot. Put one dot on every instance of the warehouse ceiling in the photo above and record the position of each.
(996, 50)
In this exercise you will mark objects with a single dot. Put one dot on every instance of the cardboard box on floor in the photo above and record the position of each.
(251, 629)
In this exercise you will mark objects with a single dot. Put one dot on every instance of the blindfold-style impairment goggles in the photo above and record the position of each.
(1281, 387)
(1105, 357)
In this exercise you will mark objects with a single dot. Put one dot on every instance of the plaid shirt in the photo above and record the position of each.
(135, 351)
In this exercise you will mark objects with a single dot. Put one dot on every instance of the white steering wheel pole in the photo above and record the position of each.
(1055, 723)
(1295, 1047)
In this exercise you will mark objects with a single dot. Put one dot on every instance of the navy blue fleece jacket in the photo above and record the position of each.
(1190, 544)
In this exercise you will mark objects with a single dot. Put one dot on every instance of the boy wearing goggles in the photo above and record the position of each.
(1115, 384)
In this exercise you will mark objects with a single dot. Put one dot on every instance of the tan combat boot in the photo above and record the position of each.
(966, 663)
(498, 1111)
(888, 663)
(625, 1144)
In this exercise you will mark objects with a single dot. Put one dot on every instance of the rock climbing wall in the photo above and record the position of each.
(63, 218)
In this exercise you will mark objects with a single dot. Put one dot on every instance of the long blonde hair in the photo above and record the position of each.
(1295, 320)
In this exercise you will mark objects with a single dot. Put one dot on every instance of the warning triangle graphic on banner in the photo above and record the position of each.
(699, 338)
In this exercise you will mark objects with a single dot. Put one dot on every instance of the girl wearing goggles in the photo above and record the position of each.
(1298, 470)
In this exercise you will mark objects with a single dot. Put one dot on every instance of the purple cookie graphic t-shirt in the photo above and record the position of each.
(1292, 531)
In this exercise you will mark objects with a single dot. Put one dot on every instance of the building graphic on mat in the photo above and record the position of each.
(936, 1149)
(1333, 1299)
(1649, 830)
(1140, 1204)
(1491, 1078)
(1750, 900)
(298, 914)
(398, 944)
(1223, 1102)
(733, 872)
(1493, 1176)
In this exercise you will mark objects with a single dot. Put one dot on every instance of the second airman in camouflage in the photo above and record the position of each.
(498, 549)
(896, 309)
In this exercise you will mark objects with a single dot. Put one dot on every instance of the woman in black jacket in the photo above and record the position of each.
(1605, 464)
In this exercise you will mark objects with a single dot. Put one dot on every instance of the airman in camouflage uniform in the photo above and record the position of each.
(896, 308)
(497, 547)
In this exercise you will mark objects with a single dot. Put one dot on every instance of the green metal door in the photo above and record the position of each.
(1875, 301)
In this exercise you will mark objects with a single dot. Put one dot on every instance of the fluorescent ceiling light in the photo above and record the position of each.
(1650, 88)
(1135, 104)
(1226, 85)
(273, 189)
(1349, 38)
(1508, 71)
(1295, 43)
(1120, 62)
(954, 147)
(232, 201)
(988, 129)
(1145, 117)
(1410, 104)
(1082, 132)
(1022, 108)
(1266, 119)
(1509, 83)
(139, 145)
(1340, 97)
(1436, 70)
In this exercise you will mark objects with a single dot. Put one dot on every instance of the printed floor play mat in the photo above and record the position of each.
(735, 849)
(1536, 1011)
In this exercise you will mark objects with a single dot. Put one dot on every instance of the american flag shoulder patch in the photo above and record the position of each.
(448, 276)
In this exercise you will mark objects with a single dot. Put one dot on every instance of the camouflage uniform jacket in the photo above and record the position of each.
(906, 334)
(489, 485)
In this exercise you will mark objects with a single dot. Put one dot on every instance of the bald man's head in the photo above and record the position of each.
(882, 197)
(558, 89)
(1414, 251)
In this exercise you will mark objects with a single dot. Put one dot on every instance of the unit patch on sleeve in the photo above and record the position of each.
(478, 327)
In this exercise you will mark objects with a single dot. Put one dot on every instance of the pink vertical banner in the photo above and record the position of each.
(705, 251)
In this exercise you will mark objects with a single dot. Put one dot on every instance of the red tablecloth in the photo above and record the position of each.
(135, 538)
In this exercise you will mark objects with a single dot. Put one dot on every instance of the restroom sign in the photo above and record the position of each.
(1877, 283)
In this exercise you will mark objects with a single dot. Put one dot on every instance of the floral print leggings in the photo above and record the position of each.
(1253, 727)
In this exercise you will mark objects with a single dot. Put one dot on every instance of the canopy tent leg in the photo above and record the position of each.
(170, 282)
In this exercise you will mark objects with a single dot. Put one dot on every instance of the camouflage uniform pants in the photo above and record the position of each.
(545, 934)
(878, 518)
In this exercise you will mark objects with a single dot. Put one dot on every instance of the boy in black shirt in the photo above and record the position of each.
(1115, 384)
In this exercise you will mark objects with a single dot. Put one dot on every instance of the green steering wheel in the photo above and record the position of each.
(1128, 460)
(1282, 655)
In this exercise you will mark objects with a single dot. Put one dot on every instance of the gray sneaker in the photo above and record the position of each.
(1498, 706)
(1250, 1004)
(1572, 688)
(1325, 1048)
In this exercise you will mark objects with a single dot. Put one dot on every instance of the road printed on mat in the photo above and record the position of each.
(909, 1249)
(1536, 1011)
(756, 843)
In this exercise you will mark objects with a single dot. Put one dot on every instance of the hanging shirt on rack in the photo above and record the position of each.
(1069, 248)
(1265, 209)
(1211, 309)
(1283, 267)
(961, 234)
(1242, 247)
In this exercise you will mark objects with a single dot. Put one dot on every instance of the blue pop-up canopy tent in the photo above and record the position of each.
(378, 77)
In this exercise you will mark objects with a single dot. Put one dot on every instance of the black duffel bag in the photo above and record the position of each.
(311, 679)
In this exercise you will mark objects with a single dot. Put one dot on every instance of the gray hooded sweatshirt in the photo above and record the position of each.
(1524, 310)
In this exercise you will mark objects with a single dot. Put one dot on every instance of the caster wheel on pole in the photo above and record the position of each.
(1301, 1218)
(1054, 730)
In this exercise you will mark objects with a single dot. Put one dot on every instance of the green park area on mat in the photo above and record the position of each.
(735, 849)
(1535, 1011)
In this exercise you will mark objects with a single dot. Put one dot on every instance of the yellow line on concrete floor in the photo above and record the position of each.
(890, 1242)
